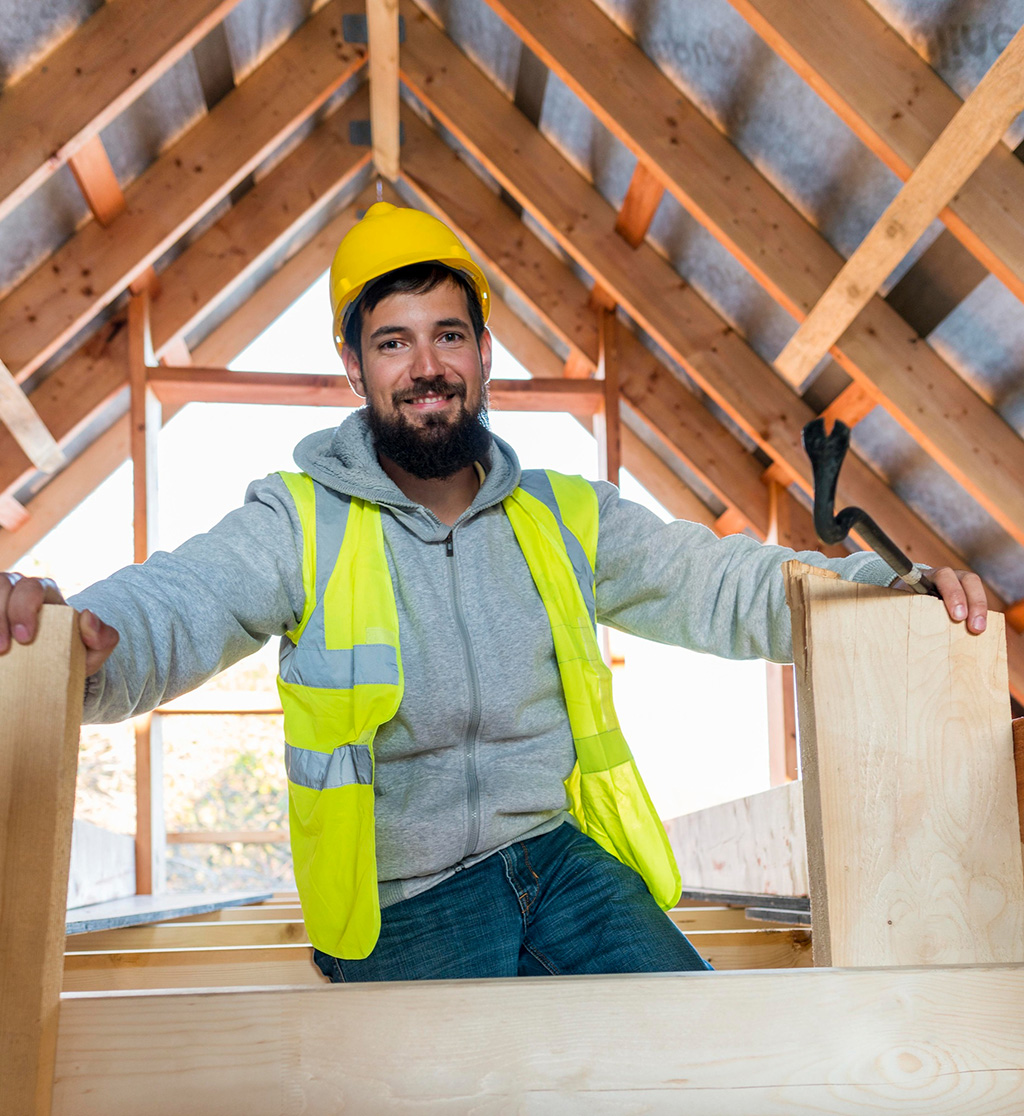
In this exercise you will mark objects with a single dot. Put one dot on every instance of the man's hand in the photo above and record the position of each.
(963, 593)
(21, 598)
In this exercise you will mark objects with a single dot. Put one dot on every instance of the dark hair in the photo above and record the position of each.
(417, 278)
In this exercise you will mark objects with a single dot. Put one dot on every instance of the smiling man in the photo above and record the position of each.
(462, 802)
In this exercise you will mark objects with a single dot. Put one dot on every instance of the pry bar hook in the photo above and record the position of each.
(827, 452)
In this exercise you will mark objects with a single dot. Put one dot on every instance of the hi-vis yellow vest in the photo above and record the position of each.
(341, 679)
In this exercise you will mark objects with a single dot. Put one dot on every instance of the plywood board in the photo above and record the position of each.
(102, 865)
(909, 792)
(754, 844)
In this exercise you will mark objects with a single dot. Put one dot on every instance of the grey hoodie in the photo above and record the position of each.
(476, 756)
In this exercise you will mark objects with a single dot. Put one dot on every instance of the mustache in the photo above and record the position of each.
(437, 385)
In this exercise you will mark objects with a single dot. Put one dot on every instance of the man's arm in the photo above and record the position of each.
(183, 616)
(679, 583)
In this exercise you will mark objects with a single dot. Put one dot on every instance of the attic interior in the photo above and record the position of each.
(662, 194)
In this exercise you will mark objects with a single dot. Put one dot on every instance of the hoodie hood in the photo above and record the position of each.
(344, 459)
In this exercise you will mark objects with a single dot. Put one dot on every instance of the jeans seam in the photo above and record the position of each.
(526, 857)
(520, 895)
(548, 964)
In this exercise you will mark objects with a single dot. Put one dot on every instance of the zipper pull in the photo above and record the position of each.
(449, 548)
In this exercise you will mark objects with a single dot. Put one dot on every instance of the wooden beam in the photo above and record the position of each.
(146, 420)
(297, 194)
(13, 515)
(639, 205)
(229, 837)
(59, 299)
(646, 285)
(96, 179)
(783, 758)
(726, 194)
(909, 795)
(38, 764)
(25, 425)
(607, 421)
(382, 27)
(977, 127)
(218, 385)
(743, 1043)
(196, 935)
(91, 78)
(754, 844)
(897, 105)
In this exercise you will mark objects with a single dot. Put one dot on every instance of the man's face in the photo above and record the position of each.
(423, 377)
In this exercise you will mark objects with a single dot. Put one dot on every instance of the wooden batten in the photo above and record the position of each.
(382, 27)
(38, 765)
(909, 791)
(96, 179)
(608, 420)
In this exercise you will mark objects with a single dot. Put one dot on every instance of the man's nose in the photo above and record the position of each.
(427, 363)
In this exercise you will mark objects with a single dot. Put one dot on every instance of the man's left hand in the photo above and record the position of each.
(963, 593)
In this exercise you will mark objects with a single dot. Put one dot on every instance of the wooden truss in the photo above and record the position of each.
(914, 856)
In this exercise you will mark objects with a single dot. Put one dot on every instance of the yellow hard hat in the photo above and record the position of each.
(388, 238)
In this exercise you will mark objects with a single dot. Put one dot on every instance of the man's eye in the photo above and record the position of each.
(389, 345)
(451, 336)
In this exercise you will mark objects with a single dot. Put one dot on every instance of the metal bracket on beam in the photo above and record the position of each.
(354, 29)
(359, 133)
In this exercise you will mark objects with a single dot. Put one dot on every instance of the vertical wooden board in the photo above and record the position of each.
(102, 865)
(909, 795)
(41, 687)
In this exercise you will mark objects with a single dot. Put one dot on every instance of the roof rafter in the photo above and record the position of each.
(382, 32)
(80, 87)
(971, 134)
(711, 178)
(58, 299)
(898, 112)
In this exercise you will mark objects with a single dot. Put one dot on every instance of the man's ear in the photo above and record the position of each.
(485, 354)
(353, 370)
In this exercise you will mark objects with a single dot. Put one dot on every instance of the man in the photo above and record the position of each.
(462, 802)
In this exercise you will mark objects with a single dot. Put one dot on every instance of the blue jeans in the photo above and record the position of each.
(551, 905)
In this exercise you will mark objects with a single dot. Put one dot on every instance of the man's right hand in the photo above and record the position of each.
(21, 598)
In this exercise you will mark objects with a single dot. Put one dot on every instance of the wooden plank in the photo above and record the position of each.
(216, 967)
(773, 241)
(135, 910)
(38, 765)
(294, 196)
(898, 111)
(96, 179)
(192, 935)
(749, 1044)
(754, 844)
(150, 823)
(776, 948)
(13, 515)
(102, 865)
(115, 56)
(25, 425)
(690, 919)
(783, 760)
(382, 32)
(58, 299)
(267, 910)
(977, 127)
(639, 205)
(608, 421)
(908, 778)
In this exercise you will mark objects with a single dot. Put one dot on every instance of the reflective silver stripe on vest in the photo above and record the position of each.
(538, 484)
(348, 763)
(310, 662)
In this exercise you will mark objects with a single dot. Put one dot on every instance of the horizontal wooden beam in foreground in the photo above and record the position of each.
(218, 385)
(750, 1044)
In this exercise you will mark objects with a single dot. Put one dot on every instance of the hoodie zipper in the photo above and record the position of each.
(472, 783)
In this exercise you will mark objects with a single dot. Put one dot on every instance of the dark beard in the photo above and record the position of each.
(436, 448)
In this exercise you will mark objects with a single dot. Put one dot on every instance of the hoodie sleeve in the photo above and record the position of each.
(679, 583)
(185, 616)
